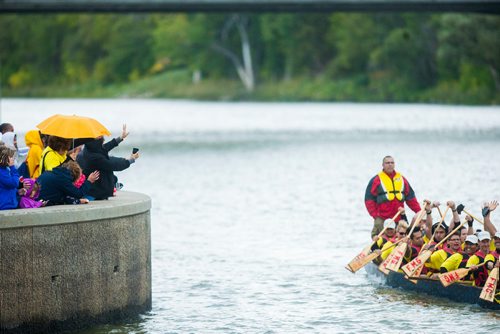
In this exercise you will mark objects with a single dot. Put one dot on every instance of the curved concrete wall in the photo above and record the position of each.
(72, 266)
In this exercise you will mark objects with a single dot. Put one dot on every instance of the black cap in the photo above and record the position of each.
(443, 226)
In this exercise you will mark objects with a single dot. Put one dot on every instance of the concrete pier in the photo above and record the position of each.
(75, 266)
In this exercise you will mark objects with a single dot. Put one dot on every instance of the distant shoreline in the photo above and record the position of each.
(178, 85)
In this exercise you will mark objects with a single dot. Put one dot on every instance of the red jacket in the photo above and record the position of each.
(378, 205)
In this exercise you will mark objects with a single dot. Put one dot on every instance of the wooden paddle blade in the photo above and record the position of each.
(411, 267)
(397, 258)
(383, 266)
(361, 255)
(452, 276)
(356, 265)
(415, 274)
(490, 287)
(355, 262)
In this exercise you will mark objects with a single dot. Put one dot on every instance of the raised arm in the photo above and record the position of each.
(455, 219)
(488, 225)
(428, 218)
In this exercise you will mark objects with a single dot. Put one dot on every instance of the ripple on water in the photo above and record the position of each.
(257, 208)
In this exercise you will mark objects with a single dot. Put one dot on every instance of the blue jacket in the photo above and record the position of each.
(9, 181)
(57, 187)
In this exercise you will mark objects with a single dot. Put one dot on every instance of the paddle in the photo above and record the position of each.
(356, 265)
(383, 266)
(367, 249)
(439, 211)
(490, 287)
(455, 275)
(409, 267)
(461, 208)
(399, 252)
(394, 258)
(412, 267)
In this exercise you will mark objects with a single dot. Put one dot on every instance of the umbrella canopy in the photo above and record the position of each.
(65, 126)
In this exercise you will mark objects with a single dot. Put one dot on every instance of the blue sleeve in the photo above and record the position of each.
(9, 179)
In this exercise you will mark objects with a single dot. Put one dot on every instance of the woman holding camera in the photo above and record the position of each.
(95, 157)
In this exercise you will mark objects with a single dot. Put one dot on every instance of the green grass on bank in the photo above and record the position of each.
(178, 85)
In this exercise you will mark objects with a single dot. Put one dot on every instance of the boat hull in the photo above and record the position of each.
(457, 292)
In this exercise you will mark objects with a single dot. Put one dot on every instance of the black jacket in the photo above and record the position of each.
(95, 157)
(57, 187)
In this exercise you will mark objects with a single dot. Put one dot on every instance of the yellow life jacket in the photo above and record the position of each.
(393, 188)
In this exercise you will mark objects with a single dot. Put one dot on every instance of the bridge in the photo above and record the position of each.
(122, 6)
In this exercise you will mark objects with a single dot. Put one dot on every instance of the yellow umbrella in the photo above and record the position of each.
(65, 126)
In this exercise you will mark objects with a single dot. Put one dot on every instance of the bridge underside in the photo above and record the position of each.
(47, 6)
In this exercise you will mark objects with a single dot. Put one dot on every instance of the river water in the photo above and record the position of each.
(257, 207)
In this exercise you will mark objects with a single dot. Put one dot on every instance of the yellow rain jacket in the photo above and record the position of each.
(51, 159)
(34, 142)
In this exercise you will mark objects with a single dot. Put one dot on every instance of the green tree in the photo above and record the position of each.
(470, 40)
(128, 51)
(407, 56)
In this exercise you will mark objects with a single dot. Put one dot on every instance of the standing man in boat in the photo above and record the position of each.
(386, 193)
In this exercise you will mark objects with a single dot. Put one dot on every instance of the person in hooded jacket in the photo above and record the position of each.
(34, 140)
(55, 153)
(95, 157)
(30, 199)
(10, 140)
(56, 186)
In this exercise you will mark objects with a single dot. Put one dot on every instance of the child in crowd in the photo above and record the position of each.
(9, 179)
(29, 200)
(57, 185)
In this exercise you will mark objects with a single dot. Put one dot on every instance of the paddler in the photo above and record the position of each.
(479, 274)
(459, 260)
(441, 255)
(386, 239)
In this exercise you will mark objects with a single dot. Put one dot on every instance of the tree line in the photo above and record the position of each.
(383, 57)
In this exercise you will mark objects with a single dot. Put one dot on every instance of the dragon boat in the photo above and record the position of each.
(458, 292)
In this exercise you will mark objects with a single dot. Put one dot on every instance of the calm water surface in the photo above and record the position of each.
(258, 207)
